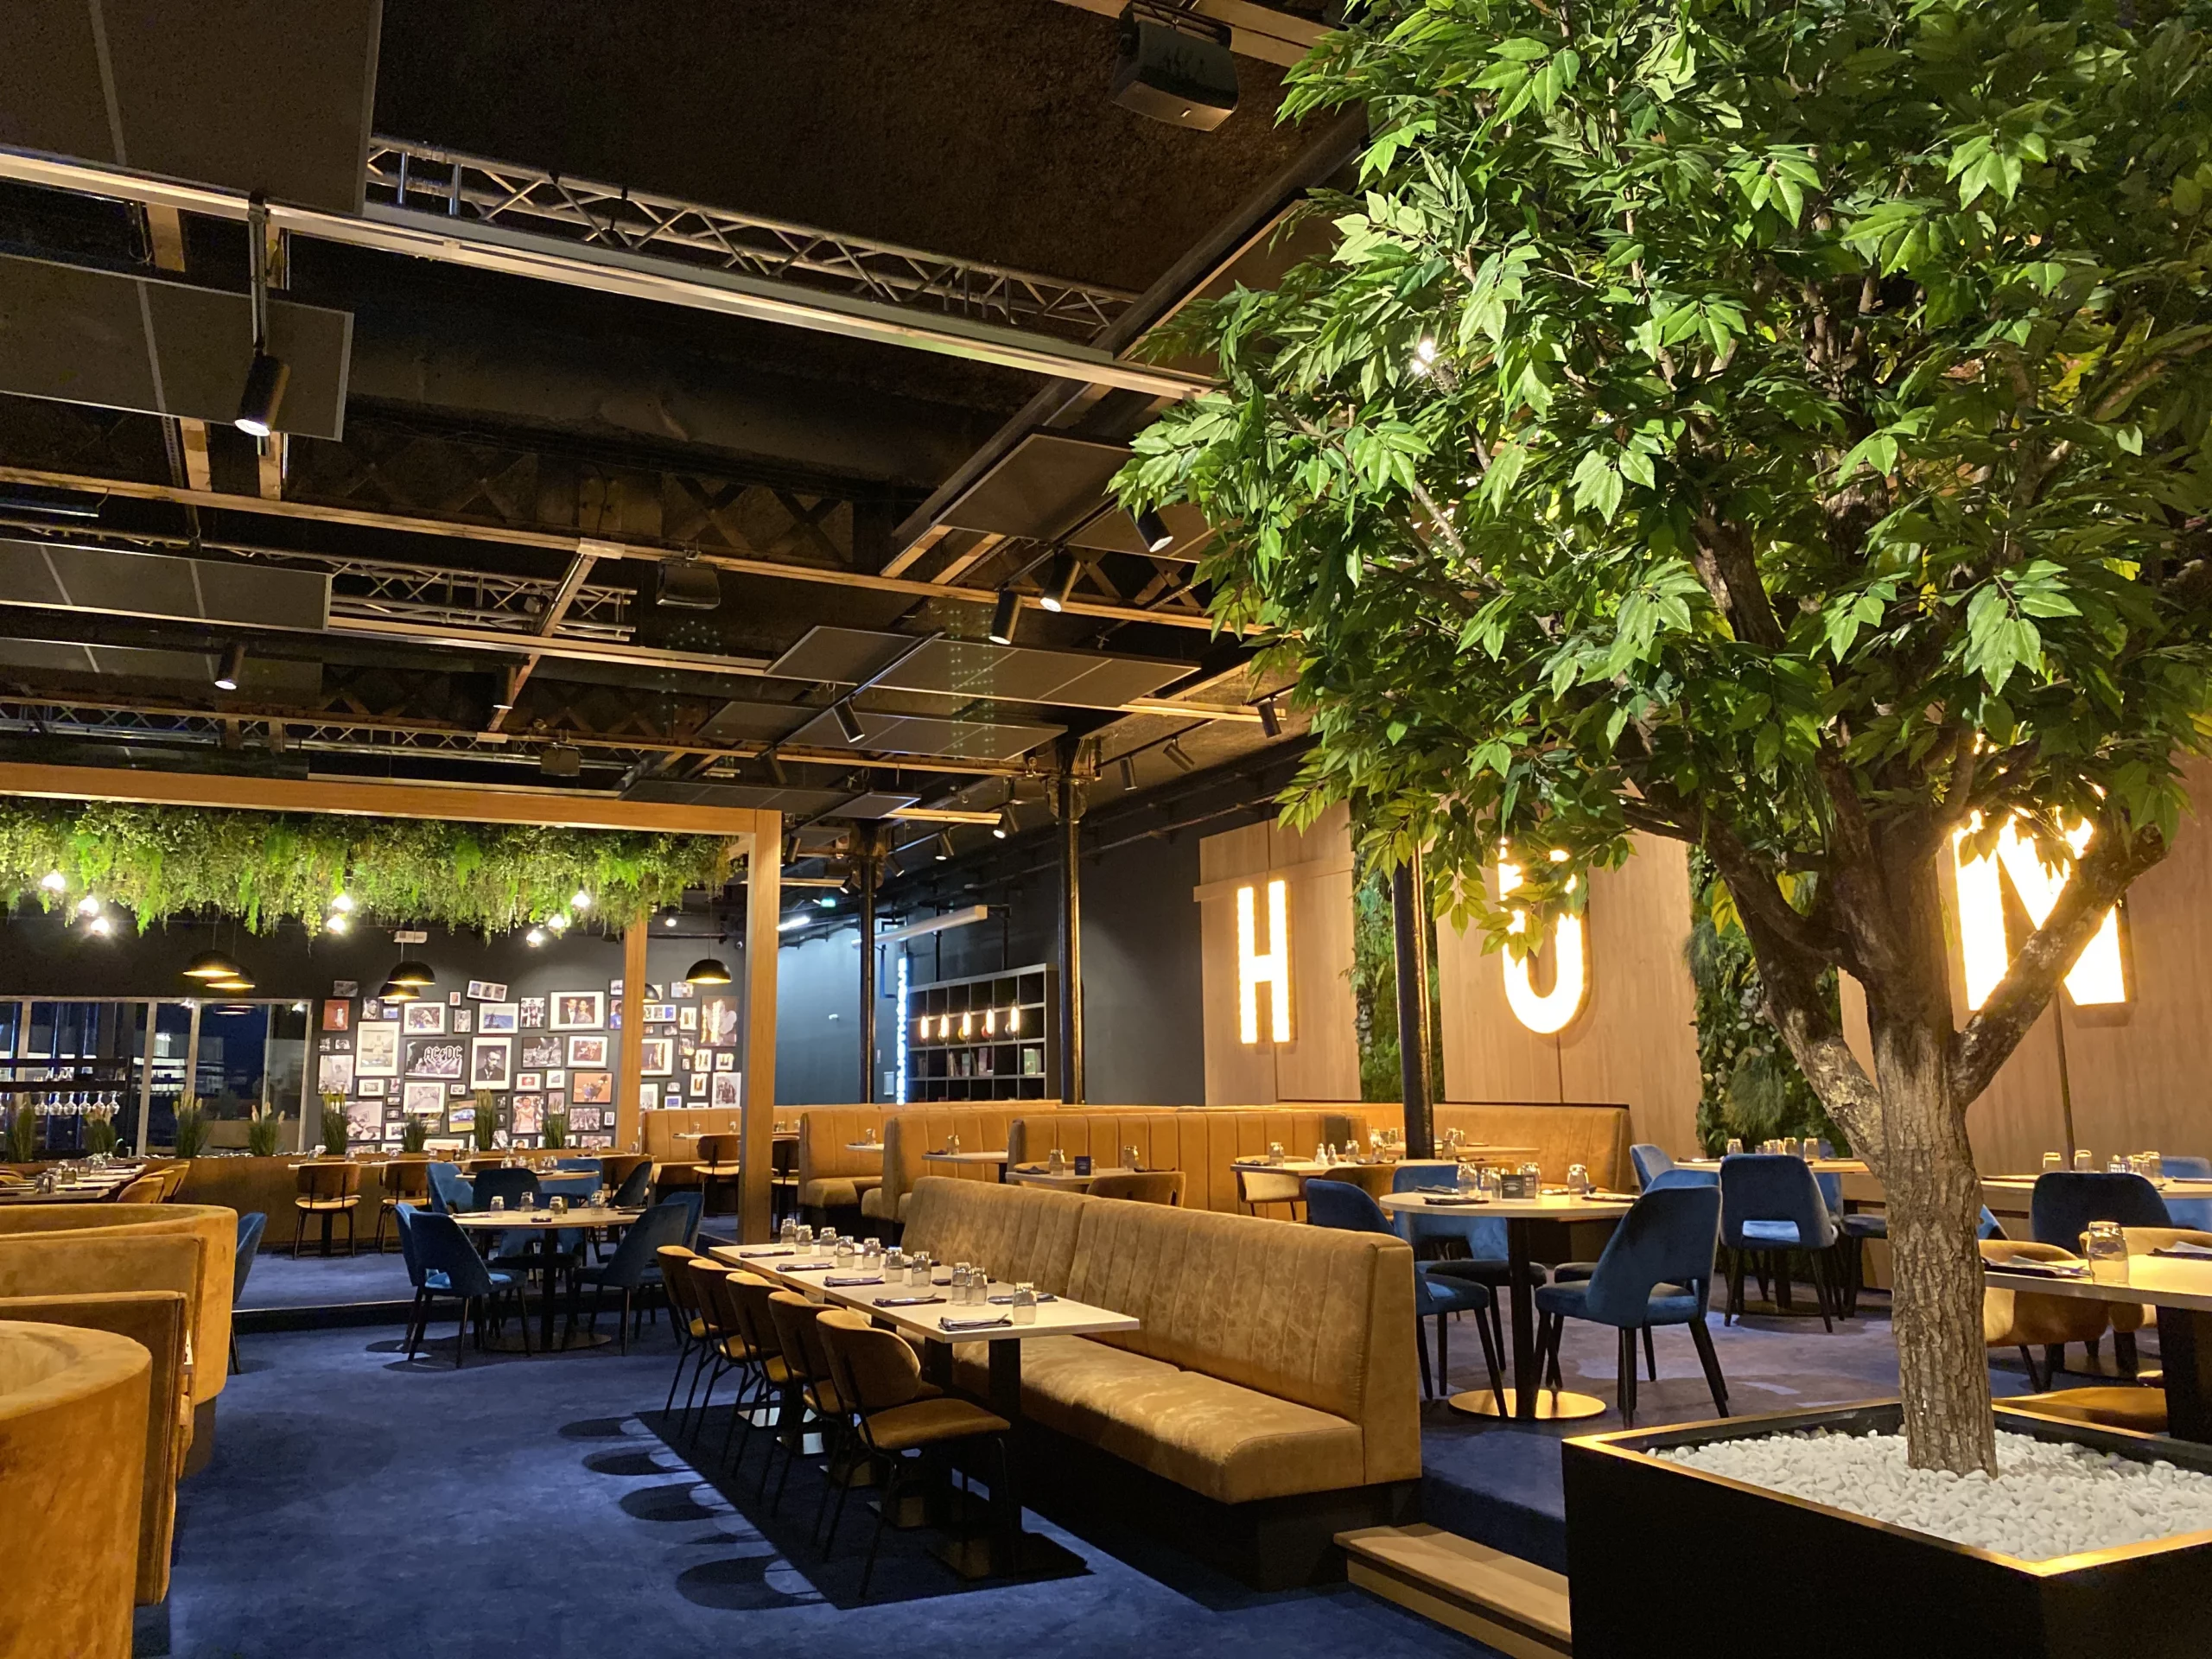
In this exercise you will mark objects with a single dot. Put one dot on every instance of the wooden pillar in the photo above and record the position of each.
(865, 835)
(629, 1081)
(764, 909)
(1410, 916)
(1070, 1010)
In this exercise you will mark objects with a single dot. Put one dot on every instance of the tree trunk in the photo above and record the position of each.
(1933, 1201)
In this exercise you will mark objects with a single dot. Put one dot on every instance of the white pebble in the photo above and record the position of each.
(2048, 1499)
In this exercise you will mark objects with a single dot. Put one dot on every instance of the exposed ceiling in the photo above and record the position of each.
(827, 306)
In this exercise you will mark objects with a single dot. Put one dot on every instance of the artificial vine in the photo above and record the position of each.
(267, 868)
(1751, 1088)
(1374, 987)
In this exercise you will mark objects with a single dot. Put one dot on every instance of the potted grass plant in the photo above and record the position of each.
(486, 1126)
(22, 1133)
(557, 1131)
(335, 1132)
(414, 1134)
(191, 1138)
(99, 1134)
(261, 1131)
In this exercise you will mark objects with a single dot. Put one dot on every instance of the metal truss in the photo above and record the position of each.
(422, 179)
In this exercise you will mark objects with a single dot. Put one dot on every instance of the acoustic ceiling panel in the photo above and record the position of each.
(87, 336)
(949, 739)
(761, 798)
(877, 804)
(973, 667)
(741, 723)
(1048, 484)
(265, 677)
(253, 95)
(160, 585)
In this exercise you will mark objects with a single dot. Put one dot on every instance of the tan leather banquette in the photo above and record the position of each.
(1201, 1141)
(913, 1131)
(1596, 1136)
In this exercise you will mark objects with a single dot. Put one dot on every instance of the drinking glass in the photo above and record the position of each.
(2053, 1160)
(2104, 1247)
(2084, 1159)
(2150, 1166)
(919, 1268)
(788, 1232)
(962, 1274)
(1467, 1178)
(497, 1205)
(1130, 1160)
(803, 1234)
(558, 1204)
(1735, 1146)
(1578, 1179)
(1025, 1303)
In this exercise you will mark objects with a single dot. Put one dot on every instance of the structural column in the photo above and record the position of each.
(1409, 918)
(629, 1080)
(764, 908)
(1071, 805)
(865, 845)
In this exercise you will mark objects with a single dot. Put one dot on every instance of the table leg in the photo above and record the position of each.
(1006, 1485)
(545, 1295)
(2185, 1351)
(1526, 1383)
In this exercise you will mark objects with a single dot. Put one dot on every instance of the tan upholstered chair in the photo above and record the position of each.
(326, 1190)
(2141, 1409)
(876, 1373)
(2021, 1319)
(721, 1158)
(406, 1180)
(73, 1439)
(1270, 1186)
(147, 1189)
(174, 1175)
(1146, 1187)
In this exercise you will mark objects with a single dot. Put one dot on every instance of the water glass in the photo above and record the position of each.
(802, 1235)
(1130, 1160)
(2084, 1159)
(2104, 1246)
(918, 1270)
(788, 1233)
(529, 1199)
(1578, 1179)
(2150, 1166)
(1025, 1303)
(1057, 1161)
(558, 1204)
(1467, 1176)
(1735, 1146)
(497, 1205)
(2053, 1161)
(962, 1274)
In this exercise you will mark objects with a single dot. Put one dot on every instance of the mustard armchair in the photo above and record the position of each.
(2022, 1319)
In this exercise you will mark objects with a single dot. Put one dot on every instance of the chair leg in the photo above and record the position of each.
(1711, 1361)
(1443, 1354)
(2036, 1379)
(625, 1317)
(299, 1232)
(882, 1513)
(1821, 1289)
(1651, 1359)
(685, 1353)
(352, 1247)
(1491, 1363)
(1735, 1309)
(235, 1366)
(1624, 1378)
(1420, 1347)
(2054, 1362)
(2123, 1353)
(460, 1334)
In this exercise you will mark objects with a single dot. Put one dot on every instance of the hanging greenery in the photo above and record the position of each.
(266, 868)
(1374, 987)
(1753, 1088)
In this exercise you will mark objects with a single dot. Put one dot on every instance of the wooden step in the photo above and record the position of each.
(1514, 1605)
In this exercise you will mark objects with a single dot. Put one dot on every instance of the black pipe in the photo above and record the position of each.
(1409, 919)
(866, 838)
(1071, 940)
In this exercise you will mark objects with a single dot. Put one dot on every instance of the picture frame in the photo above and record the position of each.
(337, 1015)
(491, 1063)
(527, 1114)
(584, 1118)
(424, 1100)
(555, 1100)
(372, 1009)
(579, 1010)
(587, 1051)
(660, 1013)
(659, 1056)
(445, 1058)
(557, 1077)
(718, 1022)
(687, 1018)
(531, 1010)
(701, 1082)
(729, 1092)
(457, 1091)
(462, 1117)
(725, 1060)
(530, 1081)
(464, 1020)
(593, 1088)
(364, 1121)
(453, 999)
(376, 1050)
(498, 1018)
(367, 1088)
(684, 990)
(540, 1052)
(335, 1074)
(486, 990)
(424, 1018)
(345, 988)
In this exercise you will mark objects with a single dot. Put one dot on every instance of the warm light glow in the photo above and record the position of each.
(1013, 1019)
(1271, 970)
(343, 904)
(53, 881)
(558, 921)
(967, 1025)
(333, 924)
(1555, 1010)
(990, 1022)
(580, 899)
(88, 906)
(98, 925)
(2097, 976)
(922, 1029)
(535, 936)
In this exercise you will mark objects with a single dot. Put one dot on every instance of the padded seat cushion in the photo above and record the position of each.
(2142, 1410)
(836, 1192)
(1669, 1304)
(1774, 1235)
(923, 1422)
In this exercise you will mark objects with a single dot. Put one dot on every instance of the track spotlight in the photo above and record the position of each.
(414, 973)
(1158, 538)
(233, 667)
(1007, 824)
(1004, 615)
(707, 970)
(944, 845)
(1059, 580)
(1128, 764)
(212, 965)
(1174, 753)
(264, 395)
(1270, 721)
(559, 761)
(668, 920)
(848, 721)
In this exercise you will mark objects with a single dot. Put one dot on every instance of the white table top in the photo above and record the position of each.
(2165, 1282)
(1821, 1166)
(1306, 1167)
(1023, 1176)
(577, 1216)
(864, 1145)
(2173, 1188)
(1558, 1206)
(964, 1157)
(1057, 1317)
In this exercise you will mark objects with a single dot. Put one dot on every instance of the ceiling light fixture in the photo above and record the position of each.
(1270, 720)
(580, 900)
(828, 901)
(1007, 824)
(848, 721)
(342, 903)
(668, 920)
(558, 921)
(233, 667)
(414, 973)
(1129, 766)
(1059, 582)
(561, 760)
(266, 375)
(791, 922)
(534, 938)
(1157, 538)
(212, 965)
(944, 845)
(1174, 753)
(88, 906)
(396, 992)
(53, 881)
(99, 924)
(707, 970)
(1004, 615)
(335, 924)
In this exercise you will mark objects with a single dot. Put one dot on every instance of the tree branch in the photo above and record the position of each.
(2100, 875)
(1759, 900)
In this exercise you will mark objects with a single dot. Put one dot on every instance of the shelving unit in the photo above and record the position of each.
(987, 1038)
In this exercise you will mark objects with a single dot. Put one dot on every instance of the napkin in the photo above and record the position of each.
(1440, 1201)
(2040, 1269)
(754, 1255)
(906, 1301)
(854, 1278)
(974, 1325)
(1008, 1301)
(2186, 1251)
(810, 1266)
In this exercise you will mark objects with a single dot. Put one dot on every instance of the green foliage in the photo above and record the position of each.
(1753, 1088)
(414, 1133)
(264, 867)
(1730, 418)
(261, 1131)
(99, 1134)
(556, 1130)
(20, 1128)
(335, 1133)
(1375, 991)
(486, 1122)
(191, 1127)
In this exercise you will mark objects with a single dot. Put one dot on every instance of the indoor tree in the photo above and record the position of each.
(1776, 428)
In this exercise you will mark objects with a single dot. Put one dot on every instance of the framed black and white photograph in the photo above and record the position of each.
(557, 1077)
(687, 1018)
(660, 1013)
(725, 1060)
(700, 1082)
(443, 1058)
(424, 1100)
(579, 1010)
(464, 1020)
(659, 1056)
(529, 1080)
(346, 987)
(532, 1010)
(364, 1121)
(718, 1022)
(491, 1063)
(373, 1007)
(486, 990)
(729, 1093)
(368, 1088)
(335, 1074)
(498, 1017)
(424, 1018)
(376, 1050)
(538, 1052)
(593, 1088)
(584, 1118)
(587, 1051)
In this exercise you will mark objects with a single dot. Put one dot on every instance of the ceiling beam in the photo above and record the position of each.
(470, 805)
(572, 583)
(608, 270)
(1254, 31)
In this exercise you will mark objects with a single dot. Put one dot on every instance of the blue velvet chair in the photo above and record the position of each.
(1656, 1270)
(2189, 1212)
(451, 1194)
(1770, 1204)
(637, 1187)
(1349, 1208)
(508, 1183)
(690, 1200)
(577, 1166)
(450, 1267)
(1649, 1161)
(2064, 1203)
(632, 1267)
(1483, 1237)
(252, 1226)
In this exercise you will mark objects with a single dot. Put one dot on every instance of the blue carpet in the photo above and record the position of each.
(358, 1505)
(1500, 1483)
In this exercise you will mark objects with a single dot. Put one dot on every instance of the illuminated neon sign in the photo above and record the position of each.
(1554, 1010)
(1272, 969)
(2097, 976)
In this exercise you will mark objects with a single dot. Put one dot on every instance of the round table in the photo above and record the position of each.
(577, 1217)
(1527, 1401)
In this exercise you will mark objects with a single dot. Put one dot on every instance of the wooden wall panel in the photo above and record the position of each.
(1635, 1040)
(1321, 1061)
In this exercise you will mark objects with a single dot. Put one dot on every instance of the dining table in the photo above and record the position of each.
(1005, 1549)
(972, 1160)
(1065, 1180)
(2179, 1286)
(549, 1225)
(90, 1186)
(1527, 1401)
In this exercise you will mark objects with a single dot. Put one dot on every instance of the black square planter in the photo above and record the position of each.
(1663, 1558)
